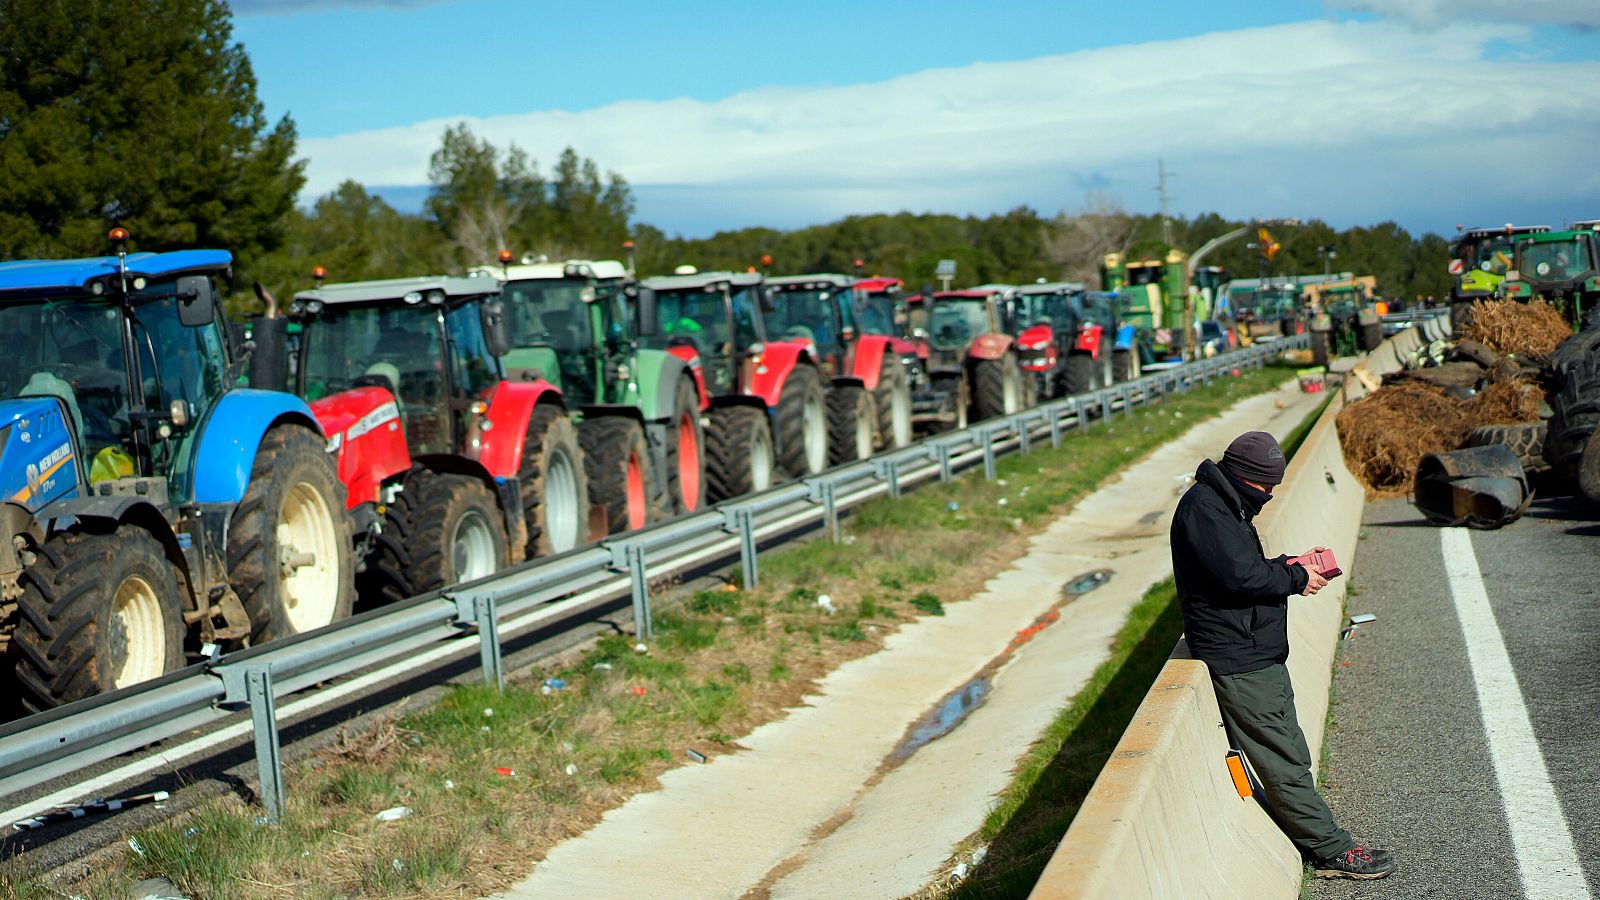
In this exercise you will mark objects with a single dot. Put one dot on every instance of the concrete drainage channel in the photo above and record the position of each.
(1139, 831)
(339, 662)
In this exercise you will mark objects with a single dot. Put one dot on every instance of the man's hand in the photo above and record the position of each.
(1314, 580)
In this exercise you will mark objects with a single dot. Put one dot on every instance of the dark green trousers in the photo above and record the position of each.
(1258, 711)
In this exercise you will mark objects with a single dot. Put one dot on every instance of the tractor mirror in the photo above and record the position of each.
(496, 331)
(649, 324)
(769, 300)
(197, 304)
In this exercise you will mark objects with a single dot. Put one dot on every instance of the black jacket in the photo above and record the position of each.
(1235, 601)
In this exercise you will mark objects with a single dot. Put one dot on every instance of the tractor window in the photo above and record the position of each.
(1046, 309)
(875, 315)
(189, 361)
(473, 368)
(70, 349)
(392, 346)
(549, 313)
(1144, 275)
(954, 323)
(1495, 255)
(745, 332)
(807, 315)
(1554, 260)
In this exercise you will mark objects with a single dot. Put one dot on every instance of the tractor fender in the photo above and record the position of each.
(226, 452)
(363, 429)
(109, 511)
(691, 360)
(657, 373)
(37, 462)
(770, 368)
(1088, 340)
(990, 346)
(902, 347)
(497, 442)
(870, 351)
(1127, 337)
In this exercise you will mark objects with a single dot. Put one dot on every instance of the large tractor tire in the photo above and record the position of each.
(803, 423)
(1589, 468)
(955, 387)
(1125, 365)
(442, 529)
(1321, 352)
(1526, 440)
(616, 461)
(1575, 409)
(997, 388)
(97, 612)
(1083, 373)
(686, 456)
(289, 545)
(1371, 334)
(892, 397)
(739, 456)
(852, 424)
(555, 493)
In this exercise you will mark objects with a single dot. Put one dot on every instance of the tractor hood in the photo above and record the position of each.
(37, 463)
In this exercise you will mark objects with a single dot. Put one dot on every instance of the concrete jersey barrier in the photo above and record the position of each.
(1163, 819)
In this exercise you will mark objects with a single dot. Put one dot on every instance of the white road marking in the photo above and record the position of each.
(1546, 858)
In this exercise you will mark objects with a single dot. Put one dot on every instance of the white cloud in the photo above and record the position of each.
(1582, 14)
(1303, 119)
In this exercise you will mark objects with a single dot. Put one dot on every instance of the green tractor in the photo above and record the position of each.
(1479, 261)
(1345, 318)
(1158, 313)
(1562, 267)
(638, 408)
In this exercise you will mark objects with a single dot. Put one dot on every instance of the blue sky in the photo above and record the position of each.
(728, 114)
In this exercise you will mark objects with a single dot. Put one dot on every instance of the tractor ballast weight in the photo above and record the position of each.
(637, 407)
(150, 507)
(763, 395)
(869, 389)
(455, 470)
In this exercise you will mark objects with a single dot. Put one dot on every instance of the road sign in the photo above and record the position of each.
(945, 269)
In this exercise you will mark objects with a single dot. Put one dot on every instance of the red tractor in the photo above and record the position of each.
(452, 470)
(764, 398)
(869, 396)
(1065, 335)
(973, 363)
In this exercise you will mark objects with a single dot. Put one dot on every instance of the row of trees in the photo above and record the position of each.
(151, 120)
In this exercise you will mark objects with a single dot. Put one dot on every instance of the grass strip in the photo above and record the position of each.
(492, 781)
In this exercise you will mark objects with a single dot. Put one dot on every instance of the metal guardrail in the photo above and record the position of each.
(48, 745)
(1394, 323)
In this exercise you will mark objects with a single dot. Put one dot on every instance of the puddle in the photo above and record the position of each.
(1085, 583)
(1150, 518)
(944, 717)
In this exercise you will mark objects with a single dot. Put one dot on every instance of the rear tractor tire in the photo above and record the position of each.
(289, 545)
(554, 491)
(1526, 440)
(1125, 365)
(893, 400)
(97, 612)
(686, 456)
(616, 461)
(442, 529)
(852, 424)
(803, 423)
(1080, 374)
(739, 456)
(997, 387)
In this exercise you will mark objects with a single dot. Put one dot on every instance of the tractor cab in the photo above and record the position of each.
(956, 319)
(880, 306)
(820, 309)
(1480, 258)
(1561, 266)
(717, 316)
(568, 322)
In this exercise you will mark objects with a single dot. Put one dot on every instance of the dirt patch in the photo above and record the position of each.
(1529, 329)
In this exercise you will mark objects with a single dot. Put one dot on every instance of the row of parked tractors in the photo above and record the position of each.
(173, 484)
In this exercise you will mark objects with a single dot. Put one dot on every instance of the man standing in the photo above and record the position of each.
(1236, 619)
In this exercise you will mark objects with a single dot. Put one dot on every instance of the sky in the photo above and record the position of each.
(723, 115)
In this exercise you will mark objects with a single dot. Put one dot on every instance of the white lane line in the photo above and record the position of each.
(1546, 858)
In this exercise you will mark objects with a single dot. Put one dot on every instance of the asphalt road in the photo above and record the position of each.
(1409, 763)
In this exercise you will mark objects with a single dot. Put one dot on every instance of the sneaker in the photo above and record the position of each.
(1357, 862)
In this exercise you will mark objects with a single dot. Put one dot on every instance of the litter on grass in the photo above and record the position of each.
(393, 814)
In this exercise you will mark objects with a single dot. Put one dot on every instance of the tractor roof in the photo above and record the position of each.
(701, 280)
(33, 276)
(878, 285)
(398, 288)
(549, 271)
(1553, 237)
(1507, 228)
(811, 282)
(1587, 225)
(977, 293)
(1053, 287)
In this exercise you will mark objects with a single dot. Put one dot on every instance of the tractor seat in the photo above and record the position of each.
(390, 373)
(48, 384)
(800, 332)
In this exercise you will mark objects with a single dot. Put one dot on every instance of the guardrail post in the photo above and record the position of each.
(942, 450)
(633, 553)
(264, 721)
(1106, 412)
(1019, 424)
(741, 521)
(988, 454)
(485, 614)
(826, 492)
(1077, 413)
(889, 470)
(1055, 429)
(1127, 400)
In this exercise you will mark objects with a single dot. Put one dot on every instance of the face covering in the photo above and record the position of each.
(1252, 497)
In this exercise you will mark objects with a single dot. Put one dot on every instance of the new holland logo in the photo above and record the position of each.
(33, 479)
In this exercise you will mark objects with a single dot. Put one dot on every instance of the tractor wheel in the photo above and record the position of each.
(1125, 365)
(1575, 412)
(955, 386)
(893, 401)
(739, 457)
(442, 529)
(555, 494)
(616, 461)
(1080, 374)
(97, 612)
(1589, 468)
(686, 458)
(852, 424)
(1526, 440)
(1319, 348)
(289, 544)
(997, 387)
(803, 423)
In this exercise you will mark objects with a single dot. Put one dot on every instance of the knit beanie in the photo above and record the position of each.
(1255, 456)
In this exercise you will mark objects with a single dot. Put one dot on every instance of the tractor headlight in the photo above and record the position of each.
(436, 298)
(412, 298)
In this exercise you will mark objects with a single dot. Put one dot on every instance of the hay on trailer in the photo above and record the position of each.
(1385, 434)
(1504, 403)
(1531, 329)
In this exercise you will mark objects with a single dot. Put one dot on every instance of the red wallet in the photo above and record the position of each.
(1321, 562)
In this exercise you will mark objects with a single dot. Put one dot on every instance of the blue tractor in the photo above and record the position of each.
(149, 505)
